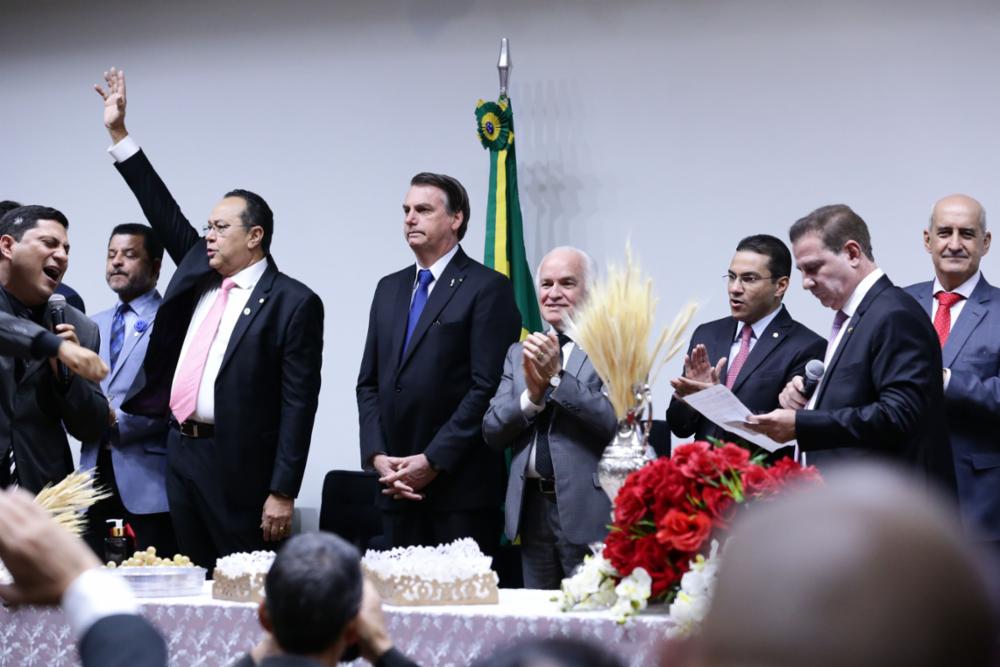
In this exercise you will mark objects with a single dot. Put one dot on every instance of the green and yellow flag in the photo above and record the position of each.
(504, 227)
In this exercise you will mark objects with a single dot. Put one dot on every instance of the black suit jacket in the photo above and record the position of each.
(780, 354)
(36, 412)
(123, 640)
(267, 389)
(882, 393)
(433, 398)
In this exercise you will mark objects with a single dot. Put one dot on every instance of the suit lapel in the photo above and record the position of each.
(924, 297)
(720, 346)
(970, 317)
(574, 365)
(400, 311)
(849, 326)
(770, 338)
(444, 289)
(256, 302)
(132, 337)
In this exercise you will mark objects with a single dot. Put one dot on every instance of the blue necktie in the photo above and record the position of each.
(117, 333)
(424, 279)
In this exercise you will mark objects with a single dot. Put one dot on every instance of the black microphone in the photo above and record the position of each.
(814, 373)
(57, 315)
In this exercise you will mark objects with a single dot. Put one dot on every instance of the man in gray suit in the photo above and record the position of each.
(131, 456)
(965, 310)
(39, 401)
(549, 408)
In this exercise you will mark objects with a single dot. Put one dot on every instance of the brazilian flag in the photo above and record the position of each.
(504, 227)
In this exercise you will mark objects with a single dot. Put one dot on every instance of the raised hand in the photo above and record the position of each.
(699, 373)
(114, 103)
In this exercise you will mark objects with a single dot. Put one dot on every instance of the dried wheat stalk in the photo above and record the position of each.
(69, 500)
(614, 326)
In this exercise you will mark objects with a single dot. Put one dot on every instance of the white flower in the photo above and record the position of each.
(633, 594)
(591, 587)
(689, 608)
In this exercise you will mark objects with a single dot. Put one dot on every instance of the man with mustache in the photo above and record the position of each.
(130, 458)
(756, 350)
(881, 395)
(965, 310)
(38, 405)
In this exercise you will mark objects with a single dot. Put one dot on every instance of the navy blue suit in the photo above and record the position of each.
(882, 394)
(972, 400)
(432, 398)
(780, 354)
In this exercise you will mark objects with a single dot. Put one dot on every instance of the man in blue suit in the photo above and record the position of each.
(131, 457)
(756, 350)
(965, 310)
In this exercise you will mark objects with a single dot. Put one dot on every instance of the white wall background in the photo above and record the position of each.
(683, 125)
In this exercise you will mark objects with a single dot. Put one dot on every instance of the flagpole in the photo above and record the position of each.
(503, 67)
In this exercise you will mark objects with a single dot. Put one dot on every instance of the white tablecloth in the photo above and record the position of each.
(204, 632)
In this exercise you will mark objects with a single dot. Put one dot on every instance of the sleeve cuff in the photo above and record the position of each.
(94, 595)
(124, 149)
(45, 345)
(529, 408)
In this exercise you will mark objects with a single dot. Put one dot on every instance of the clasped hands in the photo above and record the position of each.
(779, 425)
(541, 360)
(404, 476)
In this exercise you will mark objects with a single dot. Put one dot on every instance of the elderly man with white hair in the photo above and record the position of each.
(551, 410)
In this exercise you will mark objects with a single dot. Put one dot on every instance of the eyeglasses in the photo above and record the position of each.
(220, 228)
(747, 279)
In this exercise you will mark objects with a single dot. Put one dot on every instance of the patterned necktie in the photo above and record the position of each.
(543, 423)
(942, 318)
(424, 279)
(184, 395)
(117, 333)
(746, 335)
(838, 322)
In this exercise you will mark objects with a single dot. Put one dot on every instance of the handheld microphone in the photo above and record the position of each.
(57, 315)
(814, 373)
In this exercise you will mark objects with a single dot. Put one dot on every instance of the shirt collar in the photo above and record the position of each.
(861, 291)
(760, 326)
(438, 267)
(965, 289)
(249, 276)
(142, 304)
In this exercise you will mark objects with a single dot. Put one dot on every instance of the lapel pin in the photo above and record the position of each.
(774, 335)
(850, 329)
(261, 300)
(452, 283)
(246, 311)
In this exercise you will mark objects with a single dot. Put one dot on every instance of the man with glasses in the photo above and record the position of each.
(234, 361)
(756, 350)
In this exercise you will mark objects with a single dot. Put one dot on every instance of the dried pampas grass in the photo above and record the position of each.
(614, 327)
(69, 500)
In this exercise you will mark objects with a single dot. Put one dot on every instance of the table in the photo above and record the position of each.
(202, 632)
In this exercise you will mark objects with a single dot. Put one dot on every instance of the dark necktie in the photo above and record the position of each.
(543, 455)
(8, 464)
(117, 333)
(424, 279)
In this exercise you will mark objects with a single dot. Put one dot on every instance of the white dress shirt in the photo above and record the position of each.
(239, 294)
(436, 269)
(758, 328)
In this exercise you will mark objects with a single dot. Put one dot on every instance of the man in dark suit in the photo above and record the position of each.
(40, 403)
(234, 358)
(756, 350)
(318, 609)
(965, 311)
(131, 457)
(51, 566)
(882, 392)
(437, 335)
(550, 409)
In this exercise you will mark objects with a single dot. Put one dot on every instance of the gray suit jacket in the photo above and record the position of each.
(582, 426)
(139, 444)
(972, 400)
(35, 413)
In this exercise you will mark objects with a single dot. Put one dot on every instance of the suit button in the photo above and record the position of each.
(398, 389)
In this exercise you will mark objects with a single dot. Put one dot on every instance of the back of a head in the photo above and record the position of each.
(312, 592)
(866, 570)
(555, 652)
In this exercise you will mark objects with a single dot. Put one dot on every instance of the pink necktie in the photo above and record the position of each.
(741, 356)
(184, 395)
(838, 323)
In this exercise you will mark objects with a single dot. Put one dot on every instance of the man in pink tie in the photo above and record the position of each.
(234, 361)
(754, 351)
(881, 394)
(965, 310)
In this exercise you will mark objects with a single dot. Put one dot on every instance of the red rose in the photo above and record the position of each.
(655, 559)
(681, 456)
(671, 490)
(735, 456)
(719, 504)
(630, 506)
(619, 549)
(787, 472)
(683, 531)
(756, 480)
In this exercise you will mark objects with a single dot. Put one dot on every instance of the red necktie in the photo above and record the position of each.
(741, 356)
(942, 318)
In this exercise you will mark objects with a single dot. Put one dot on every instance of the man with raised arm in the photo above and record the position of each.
(234, 360)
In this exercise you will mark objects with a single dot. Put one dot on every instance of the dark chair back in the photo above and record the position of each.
(348, 507)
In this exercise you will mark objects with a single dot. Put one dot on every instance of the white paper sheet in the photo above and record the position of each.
(719, 405)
